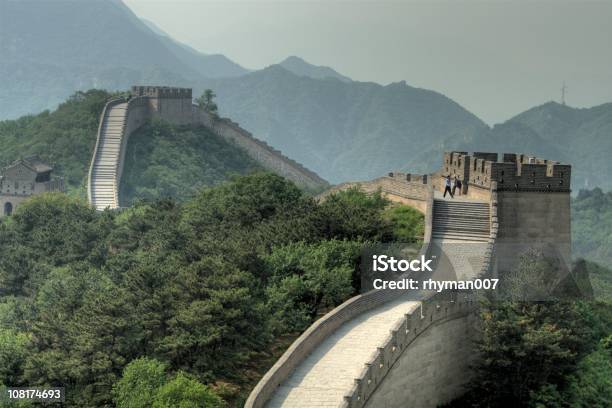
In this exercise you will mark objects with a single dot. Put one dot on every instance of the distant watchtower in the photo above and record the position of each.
(532, 198)
(168, 103)
(24, 178)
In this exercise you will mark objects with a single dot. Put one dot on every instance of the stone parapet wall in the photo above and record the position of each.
(162, 92)
(437, 334)
(269, 157)
(138, 113)
(517, 172)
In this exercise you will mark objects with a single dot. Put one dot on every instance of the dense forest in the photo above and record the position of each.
(534, 353)
(167, 302)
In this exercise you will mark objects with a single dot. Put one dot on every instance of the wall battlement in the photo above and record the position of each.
(515, 172)
(162, 92)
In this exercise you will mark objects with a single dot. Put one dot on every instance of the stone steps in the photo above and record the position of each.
(103, 181)
(460, 221)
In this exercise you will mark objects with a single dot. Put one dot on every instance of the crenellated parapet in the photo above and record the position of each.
(515, 172)
(162, 92)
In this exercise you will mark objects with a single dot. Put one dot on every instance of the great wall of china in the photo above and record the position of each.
(383, 348)
(121, 117)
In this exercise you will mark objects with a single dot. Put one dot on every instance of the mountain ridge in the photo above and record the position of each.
(301, 67)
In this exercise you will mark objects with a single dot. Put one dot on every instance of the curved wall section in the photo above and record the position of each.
(327, 325)
(121, 117)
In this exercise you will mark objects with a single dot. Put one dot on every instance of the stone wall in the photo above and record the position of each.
(270, 158)
(517, 172)
(138, 114)
(386, 378)
(533, 220)
(433, 370)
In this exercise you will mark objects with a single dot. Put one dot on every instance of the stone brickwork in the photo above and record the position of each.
(532, 220)
(167, 103)
(269, 157)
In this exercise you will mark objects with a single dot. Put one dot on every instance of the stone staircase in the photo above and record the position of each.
(103, 180)
(461, 221)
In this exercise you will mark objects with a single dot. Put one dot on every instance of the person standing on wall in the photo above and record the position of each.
(447, 186)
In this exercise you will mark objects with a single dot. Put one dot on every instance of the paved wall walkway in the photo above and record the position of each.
(328, 373)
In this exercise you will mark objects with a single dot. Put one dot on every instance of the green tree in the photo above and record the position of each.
(308, 278)
(591, 384)
(206, 101)
(352, 214)
(139, 384)
(408, 224)
(185, 392)
(13, 349)
(527, 347)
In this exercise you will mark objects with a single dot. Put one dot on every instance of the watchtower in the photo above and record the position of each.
(168, 103)
(531, 198)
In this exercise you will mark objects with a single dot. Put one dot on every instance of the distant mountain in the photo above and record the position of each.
(49, 49)
(581, 137)
(207, 65)
(302, 68)
(345, 130)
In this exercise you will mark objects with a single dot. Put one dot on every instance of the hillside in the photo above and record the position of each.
(161, 160)
(345, 130)
(64, 138)
(169, 161)
(50, 49)
(581, 136)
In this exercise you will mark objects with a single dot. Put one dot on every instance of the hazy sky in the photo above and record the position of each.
(496, 58)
